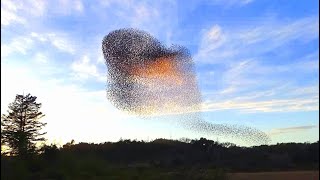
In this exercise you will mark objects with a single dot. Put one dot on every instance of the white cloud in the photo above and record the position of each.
(39, 37)
(274, 105)
(67, 7)
(212, 39)
(78, 5)
(158, 18)
(41, 58)
(229, 3)
(84, 69)
(36, 7)
(236, 74)
(279, 131)
(285, 98)
(143, 14)
(7, 17)
(228, 90)
(251, 74)
(5, 50)
(13, 11)
(22, 44)
(214, 33)
(10, 5)
(19, 44)
(251, 86)
(230, 45)
(100, 59)
(60, 41)
(305, 90)
(8, 13)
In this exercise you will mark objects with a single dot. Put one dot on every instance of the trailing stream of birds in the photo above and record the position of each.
(147, 79)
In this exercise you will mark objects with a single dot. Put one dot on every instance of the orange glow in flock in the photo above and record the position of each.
(147, 79)
(163, 69)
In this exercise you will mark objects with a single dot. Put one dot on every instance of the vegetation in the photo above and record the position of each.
(20, 128)
(159, 159)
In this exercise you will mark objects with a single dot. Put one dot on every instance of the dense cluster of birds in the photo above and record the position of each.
(146, 78)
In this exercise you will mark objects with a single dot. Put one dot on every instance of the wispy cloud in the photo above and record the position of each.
(67, 7)
(255, 73)
(158, 18)
(274, 105)
(13, 11)
(41, 58)
(21, 12)
(22, 44)
(279, 131)
(8, 13)
(276, 98)
(84, 69)
(252, 74)
(247, 83)
(100, 59)
(230, 3)
(222, 46)
(19, 44)
(60, 41)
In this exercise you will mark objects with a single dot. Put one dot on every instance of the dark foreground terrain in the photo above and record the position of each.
(292, 175)
(166, 159)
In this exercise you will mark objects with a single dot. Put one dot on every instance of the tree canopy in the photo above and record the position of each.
(20, 127)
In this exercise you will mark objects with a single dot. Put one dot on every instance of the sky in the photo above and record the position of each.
(257, 64)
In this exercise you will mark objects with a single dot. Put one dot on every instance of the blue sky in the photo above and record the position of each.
(257, 64)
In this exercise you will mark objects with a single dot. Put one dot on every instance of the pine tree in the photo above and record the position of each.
(20, 128)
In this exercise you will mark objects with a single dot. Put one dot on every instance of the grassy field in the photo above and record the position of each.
(292, 175)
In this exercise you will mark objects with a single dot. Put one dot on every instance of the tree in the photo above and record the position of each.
(20, 128)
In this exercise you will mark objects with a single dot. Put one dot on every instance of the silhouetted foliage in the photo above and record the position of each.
(20, 128)
(203, 152)
(160, 159)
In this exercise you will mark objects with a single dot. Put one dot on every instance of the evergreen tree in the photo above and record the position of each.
(20, 128)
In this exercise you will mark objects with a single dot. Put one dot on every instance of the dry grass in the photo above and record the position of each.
(292, 175)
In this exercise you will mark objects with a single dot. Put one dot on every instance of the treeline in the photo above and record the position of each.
(200, 153)
(158, 159)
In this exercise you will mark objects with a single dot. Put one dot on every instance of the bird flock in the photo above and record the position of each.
(147, 79)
